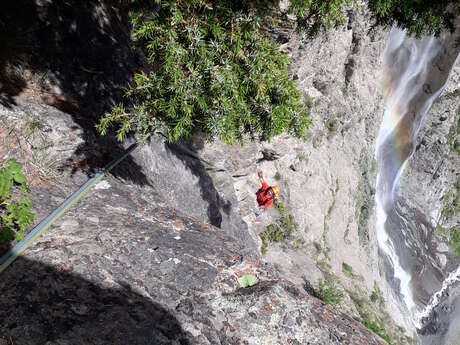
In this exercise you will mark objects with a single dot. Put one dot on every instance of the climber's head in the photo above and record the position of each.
(276, 190)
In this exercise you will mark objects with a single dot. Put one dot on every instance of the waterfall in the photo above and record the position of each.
(434, 301)
(413, 77)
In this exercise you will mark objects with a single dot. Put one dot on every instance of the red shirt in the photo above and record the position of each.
(263, 197)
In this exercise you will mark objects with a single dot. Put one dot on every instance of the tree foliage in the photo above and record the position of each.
(314, 15)
(15, 214)
(417, 16)
(212, 72)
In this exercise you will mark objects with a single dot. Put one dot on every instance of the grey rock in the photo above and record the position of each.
(194, 186)
(269, 155)
(104, 284)
(160, 263)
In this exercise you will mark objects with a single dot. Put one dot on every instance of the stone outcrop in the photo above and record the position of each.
(153, 253)
(123, 267)
(218, 188)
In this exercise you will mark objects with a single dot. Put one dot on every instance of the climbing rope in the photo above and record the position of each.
(40, 228)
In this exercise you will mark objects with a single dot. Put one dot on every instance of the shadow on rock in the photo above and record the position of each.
(80, 55)
(80, 47)
(43, 304)
(216, 203)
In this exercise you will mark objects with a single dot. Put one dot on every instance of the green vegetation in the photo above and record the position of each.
(318, 249)
(29, 140)
(327, 217)
(213, 72)
(453, 136)
(377, 295)
(272, 233)
(452, 236)
(288, 224)
(330, 209)
(301, 156)
(15, 206)
(325, 243)
(451, 207)
(324, 267)
(317, 246)
(332, 126)
(456, 146)
(349, 273)
(327, 291)
(378, 328)
(247, 280)
(451, 200)
(373, 315)
(280, 206)
(365, 196)
(280, 231)
(347, 270)
(32, 125)
(298, 244)
(314, 15)
(454, 241)
(309, 100)
(419, 17)
(277, 176)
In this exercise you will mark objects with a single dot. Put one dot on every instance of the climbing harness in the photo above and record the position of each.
(40, 228)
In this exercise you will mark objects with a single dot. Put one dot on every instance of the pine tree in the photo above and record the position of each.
(212, 71)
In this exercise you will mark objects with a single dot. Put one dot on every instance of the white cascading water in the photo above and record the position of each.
(410, 90)
(453, 277)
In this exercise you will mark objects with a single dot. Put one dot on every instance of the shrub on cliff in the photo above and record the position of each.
(212, 71)
(328, 292)
(15, 214)
(313, 15)
(418, 17)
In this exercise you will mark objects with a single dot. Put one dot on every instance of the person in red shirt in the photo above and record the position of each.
(265, 195)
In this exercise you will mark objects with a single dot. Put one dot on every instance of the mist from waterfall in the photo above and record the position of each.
(410, 85)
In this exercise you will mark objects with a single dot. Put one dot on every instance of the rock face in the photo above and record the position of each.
(328, 182)
(123, 268)
(217, 190)
(152, 254)
(194, 186)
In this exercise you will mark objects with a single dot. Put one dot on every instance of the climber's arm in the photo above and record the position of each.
(259, 173)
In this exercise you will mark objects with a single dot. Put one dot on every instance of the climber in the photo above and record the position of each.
(265, 195)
